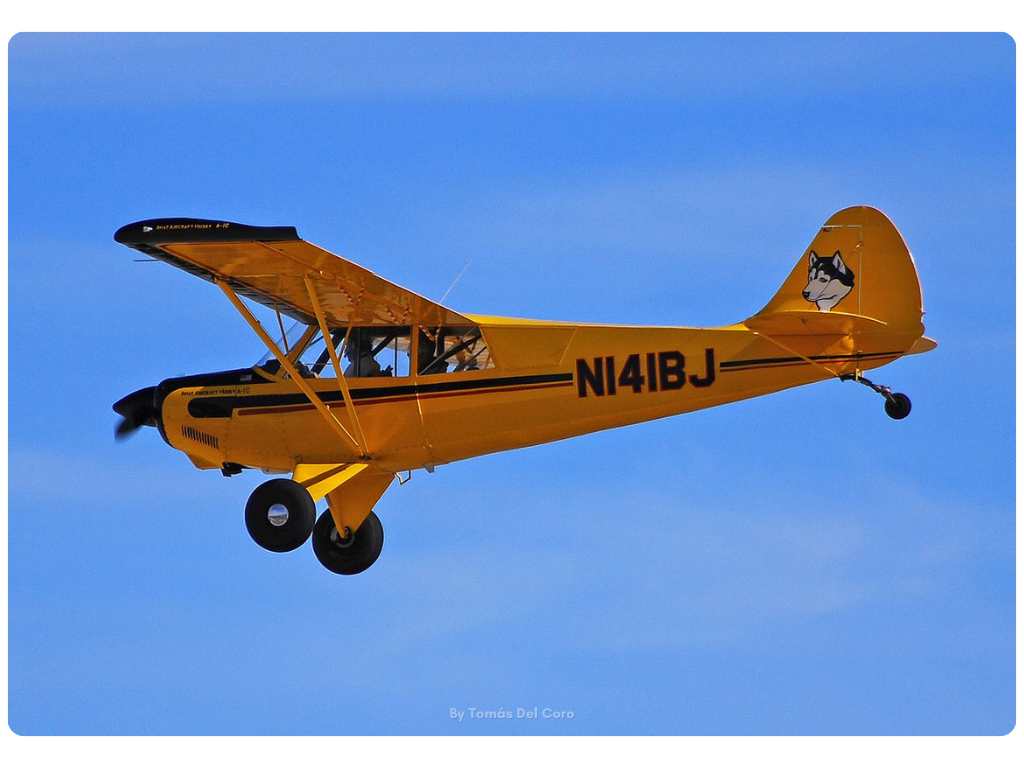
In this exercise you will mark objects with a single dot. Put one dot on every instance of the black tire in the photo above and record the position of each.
(347, 555)
(898, 407)
(276, 529)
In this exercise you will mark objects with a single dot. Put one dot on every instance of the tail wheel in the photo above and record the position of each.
(350, 552)
(897, 406)
(280, 515)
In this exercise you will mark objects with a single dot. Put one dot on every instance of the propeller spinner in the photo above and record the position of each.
(137, 410)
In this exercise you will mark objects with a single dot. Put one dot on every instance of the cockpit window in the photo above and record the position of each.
(377, 352)
(382, 351)
(315, 360)
(452, 350)
(362, 352)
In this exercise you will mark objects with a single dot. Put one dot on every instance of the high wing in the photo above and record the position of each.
(270, 265)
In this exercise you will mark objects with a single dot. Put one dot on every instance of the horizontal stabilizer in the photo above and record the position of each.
(797, 323)
(923, 344)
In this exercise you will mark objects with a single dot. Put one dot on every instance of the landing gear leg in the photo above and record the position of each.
(897, 405)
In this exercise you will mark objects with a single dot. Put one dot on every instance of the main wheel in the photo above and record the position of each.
(898, 407)
(349, 554)
(280, 515)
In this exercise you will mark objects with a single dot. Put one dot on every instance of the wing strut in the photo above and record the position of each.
(286, 364)
(342, 383)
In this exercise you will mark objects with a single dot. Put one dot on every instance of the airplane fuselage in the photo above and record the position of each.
(584, 378)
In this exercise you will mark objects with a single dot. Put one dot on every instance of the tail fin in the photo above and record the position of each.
(856, 280)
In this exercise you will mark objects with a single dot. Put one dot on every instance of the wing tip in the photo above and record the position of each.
(184, 230)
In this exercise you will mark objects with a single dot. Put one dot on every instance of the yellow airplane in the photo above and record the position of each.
(373, 381)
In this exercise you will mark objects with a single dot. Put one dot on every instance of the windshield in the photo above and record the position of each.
(291, 336)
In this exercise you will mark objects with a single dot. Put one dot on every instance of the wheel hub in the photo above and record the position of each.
(277, 515)
(342, 540)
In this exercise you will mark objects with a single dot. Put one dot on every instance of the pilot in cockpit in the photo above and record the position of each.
(361, 361)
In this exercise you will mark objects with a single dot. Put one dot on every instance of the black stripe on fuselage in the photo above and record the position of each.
(222, 406)
(770, 361)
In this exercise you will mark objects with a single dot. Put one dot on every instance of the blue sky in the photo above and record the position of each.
(796, 564)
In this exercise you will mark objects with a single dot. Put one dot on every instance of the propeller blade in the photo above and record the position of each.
(125, 428)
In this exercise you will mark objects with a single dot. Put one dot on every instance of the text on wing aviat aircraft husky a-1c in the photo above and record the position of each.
(373, 380)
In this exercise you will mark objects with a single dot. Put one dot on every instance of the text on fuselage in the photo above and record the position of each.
(649, 372)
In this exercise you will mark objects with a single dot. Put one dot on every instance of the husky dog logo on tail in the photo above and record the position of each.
(829, 281)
